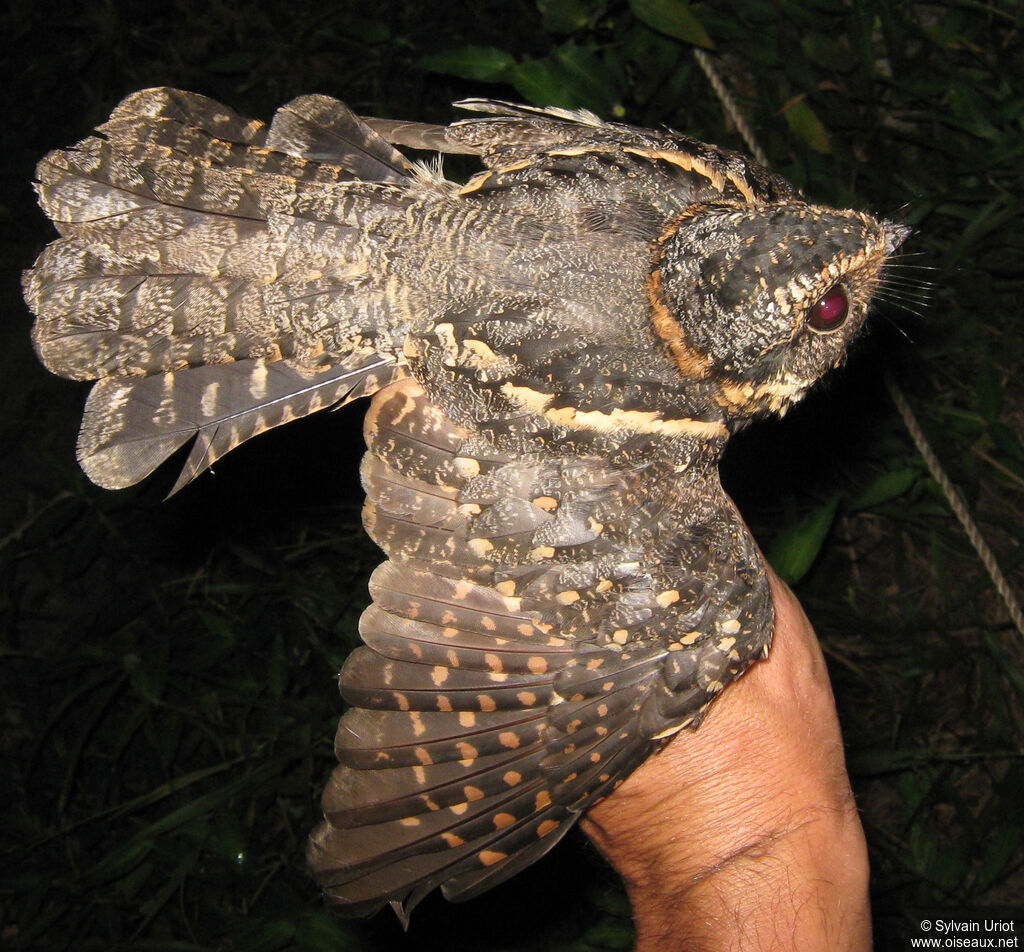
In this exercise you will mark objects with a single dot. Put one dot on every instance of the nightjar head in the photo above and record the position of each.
(765, 298)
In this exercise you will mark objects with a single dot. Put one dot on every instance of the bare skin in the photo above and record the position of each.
(744, 835)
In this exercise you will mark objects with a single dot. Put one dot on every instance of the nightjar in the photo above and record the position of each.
(557, 352)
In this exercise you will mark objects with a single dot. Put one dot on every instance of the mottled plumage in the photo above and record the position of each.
(557, 350)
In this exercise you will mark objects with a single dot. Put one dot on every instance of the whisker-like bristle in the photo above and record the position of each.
(901, 304)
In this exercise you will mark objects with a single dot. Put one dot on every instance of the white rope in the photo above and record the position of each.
(956, 502)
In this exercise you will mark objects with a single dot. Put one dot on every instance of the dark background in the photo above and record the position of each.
(166, 685)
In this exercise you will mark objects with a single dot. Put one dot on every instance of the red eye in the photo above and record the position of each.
(831, 311)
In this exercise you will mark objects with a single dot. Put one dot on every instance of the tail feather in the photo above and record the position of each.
(316, 130)
(325, 130)
(213, 275)
(190, 111)
(96, 180)
(99, 318)
(131, 425)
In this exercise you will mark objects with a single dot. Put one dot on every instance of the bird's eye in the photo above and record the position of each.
(831, 311)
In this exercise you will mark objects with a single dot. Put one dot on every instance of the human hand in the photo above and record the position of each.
(744, 834)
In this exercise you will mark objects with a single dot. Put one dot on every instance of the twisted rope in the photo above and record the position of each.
(724, 95)
(957, 504)
(955, 500)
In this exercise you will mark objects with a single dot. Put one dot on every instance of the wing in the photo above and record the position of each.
(541, 624)
(542, 143)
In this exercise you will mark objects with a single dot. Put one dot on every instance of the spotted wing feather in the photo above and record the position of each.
(493, 701)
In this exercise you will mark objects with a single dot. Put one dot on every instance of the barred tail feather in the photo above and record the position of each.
(323, 129)
(212, 274)
(192, 113)
(131, 425)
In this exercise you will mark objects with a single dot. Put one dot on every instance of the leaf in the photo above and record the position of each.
(547, 83)
(267, 936)
(225, 838)
(1012, 671)
(240, 61)
(987, 390)
(180, 816)
(879, 761)
(591, 80)
(487, 64)
(796, 547)
(915, 785)
(1007, 441)
(885, 488)
(673, 18)
(120, 861)
(829, 52)
(981, 222)
(319, 931)
(805, 123)
(566, 16)
(999, 853)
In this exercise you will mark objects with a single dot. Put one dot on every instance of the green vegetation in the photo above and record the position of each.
(166, 675)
